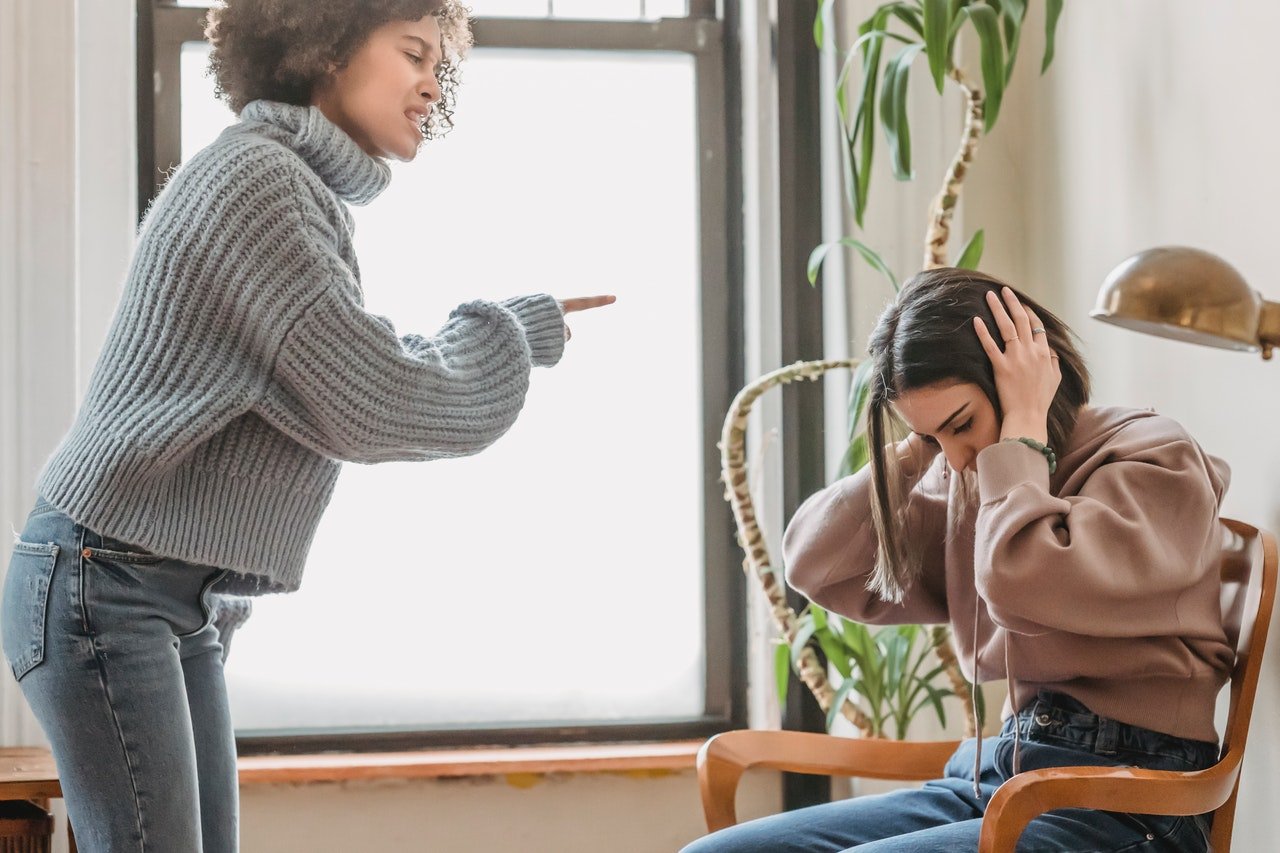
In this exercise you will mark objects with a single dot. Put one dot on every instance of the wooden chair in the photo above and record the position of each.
(1248, 594)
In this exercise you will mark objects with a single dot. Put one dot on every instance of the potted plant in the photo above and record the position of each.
(885, 677)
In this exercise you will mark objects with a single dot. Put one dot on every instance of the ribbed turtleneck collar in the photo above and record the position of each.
(340, 162)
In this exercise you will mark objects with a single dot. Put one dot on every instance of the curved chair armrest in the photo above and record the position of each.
(723, 759)
(1117, 789)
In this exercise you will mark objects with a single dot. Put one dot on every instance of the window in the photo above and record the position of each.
(578, 579)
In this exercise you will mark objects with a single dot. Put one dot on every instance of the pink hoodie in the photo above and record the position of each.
(1100, 582)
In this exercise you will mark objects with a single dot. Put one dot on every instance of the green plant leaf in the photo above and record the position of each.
(868, 662)
(816, 257)
(928, 677)
(1052, 11)
(1014, 13)
(893, 110)
(971, 254)
(804, 632)
(991, 53)
(858, 639)
(860, 141)
(896, 646)
(857, 454)
(909, 16)
(782, 670)
(835, 623)
(913, 678)
(819, 254)
(933, 696)
(936, 22)
(855, 457)
(852, 176)
(835, 652)
(859, 393)
(819, 19)
(834, 711)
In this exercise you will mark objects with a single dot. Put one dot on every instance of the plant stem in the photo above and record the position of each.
(939, 230)
(733, 457)
(756, 562)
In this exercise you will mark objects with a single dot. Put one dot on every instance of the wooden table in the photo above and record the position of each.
(28, 773)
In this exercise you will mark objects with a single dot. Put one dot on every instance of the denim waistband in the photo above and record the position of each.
(1057, 719)
(84, 535)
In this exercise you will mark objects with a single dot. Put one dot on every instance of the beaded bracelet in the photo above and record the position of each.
(1039, 448)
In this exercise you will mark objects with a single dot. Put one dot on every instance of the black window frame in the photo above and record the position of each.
(709, 34)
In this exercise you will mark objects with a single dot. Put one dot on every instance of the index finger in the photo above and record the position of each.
(989, 344)
(583, 303)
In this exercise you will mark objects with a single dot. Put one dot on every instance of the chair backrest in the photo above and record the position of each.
(1248, 572)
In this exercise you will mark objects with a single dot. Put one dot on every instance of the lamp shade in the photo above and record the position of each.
(1186, 294)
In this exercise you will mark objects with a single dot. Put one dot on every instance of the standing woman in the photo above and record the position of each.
(239, 372)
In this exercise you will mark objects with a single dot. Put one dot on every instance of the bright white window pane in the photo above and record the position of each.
(203, 115)
(625, 10)
(557, 575)
(510, 8)
(666, 8)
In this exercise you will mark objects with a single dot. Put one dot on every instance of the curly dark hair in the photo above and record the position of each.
(280, 49)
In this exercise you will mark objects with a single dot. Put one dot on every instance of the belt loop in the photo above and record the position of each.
(1031, 713)
(1108, 734)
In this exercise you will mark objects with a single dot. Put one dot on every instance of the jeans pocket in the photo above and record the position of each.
(41, 509)
(208, 602)
(120, 552)
(25, 605)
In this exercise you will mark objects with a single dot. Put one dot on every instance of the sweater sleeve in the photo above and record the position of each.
(829, 550)
(1111, 560)
(345, 386)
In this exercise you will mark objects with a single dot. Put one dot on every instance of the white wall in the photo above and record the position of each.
(1156, 125)
(619, 813)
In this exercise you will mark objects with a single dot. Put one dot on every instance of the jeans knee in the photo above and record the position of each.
(716, 842)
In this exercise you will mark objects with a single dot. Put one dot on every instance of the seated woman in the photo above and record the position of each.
(1072, 548)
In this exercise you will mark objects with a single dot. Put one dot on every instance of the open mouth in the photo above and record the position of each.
(416, 120)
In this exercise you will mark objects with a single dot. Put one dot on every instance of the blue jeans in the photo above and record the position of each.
(116, 652)
(945, 817)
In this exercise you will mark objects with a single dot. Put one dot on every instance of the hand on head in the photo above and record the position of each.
(1026, 370)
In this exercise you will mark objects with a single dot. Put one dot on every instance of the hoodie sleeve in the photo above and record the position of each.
(1112, 560)
(829, 550)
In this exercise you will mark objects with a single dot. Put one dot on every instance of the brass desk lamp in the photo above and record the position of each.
(1188, 295)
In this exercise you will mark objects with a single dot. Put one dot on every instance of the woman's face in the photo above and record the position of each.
(957, 416)
(387, 88)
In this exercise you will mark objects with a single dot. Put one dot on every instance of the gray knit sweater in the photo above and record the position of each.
(241, 368)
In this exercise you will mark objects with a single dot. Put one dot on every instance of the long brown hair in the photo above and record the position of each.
(926, 337)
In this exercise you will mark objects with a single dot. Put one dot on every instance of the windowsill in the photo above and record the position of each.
(520, 762)
(30, 772)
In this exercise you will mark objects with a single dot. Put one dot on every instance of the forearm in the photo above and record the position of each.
(830, 547)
